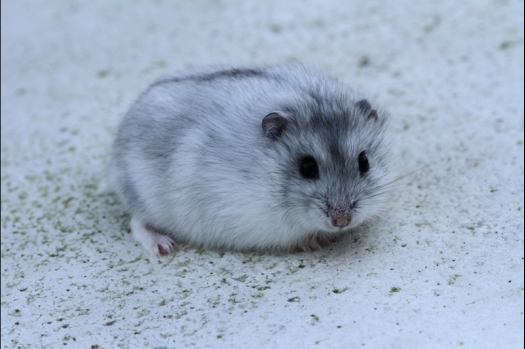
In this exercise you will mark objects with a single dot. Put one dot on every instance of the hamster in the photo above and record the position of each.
(271, 158)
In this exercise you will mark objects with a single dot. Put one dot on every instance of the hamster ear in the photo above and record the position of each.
(273, 125)
(366, 109)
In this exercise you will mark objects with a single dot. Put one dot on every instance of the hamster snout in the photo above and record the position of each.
(340, 217)
(249, 159)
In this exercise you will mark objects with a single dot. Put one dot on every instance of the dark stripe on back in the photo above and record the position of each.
(231, 73)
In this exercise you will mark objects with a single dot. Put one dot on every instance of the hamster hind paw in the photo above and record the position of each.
(151, 239)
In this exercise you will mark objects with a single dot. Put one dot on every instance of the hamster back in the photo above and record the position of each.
(250, 159)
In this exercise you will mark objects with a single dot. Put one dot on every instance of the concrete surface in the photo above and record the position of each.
(442, 269)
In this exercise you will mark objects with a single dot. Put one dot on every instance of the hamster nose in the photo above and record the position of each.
(341, 220)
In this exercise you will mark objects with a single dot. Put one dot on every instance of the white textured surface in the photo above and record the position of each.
(444, 268)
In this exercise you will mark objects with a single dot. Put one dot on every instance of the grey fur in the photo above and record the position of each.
(194, 159)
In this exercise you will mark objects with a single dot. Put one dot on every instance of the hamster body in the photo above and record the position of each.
(249, 159)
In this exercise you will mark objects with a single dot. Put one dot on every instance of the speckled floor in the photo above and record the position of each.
(442, 269)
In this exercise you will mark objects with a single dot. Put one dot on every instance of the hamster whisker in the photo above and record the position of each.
(407, 174)
(380, 194)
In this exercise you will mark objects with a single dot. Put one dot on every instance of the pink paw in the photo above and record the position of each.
(318, 242)
(153, 241)
(162, 246)
(312, 244)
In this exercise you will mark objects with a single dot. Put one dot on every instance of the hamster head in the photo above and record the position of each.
(333, 158)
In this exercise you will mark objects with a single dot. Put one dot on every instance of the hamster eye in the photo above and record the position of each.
(308, 168)
(364, 166)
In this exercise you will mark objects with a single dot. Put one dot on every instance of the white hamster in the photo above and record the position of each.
(250, 159)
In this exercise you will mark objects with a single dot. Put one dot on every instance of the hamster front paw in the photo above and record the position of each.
(318, 242)
(152, 240)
